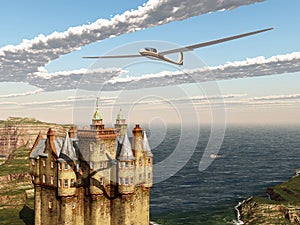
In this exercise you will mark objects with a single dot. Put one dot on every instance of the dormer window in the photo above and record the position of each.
(66, 166)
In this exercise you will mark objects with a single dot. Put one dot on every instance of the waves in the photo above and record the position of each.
(253, 159)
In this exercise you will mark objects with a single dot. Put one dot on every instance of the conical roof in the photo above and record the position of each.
(146, 145)
(126, 151)
(67, 152)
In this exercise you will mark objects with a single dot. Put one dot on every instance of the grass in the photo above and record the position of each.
(18, 163)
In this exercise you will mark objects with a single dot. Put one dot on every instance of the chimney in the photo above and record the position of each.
(137, 139)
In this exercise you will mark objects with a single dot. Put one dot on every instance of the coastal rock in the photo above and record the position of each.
(16, 132)
(282, 206)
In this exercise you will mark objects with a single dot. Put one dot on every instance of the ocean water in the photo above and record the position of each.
(250, 160)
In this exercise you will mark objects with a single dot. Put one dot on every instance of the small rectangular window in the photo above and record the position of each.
(92, 165)
(101, 165)
(72, 183)
(50, 205)
(140, 177)
(59, 166)
(44, 178)
(149, 175)
(66, 183)
(126, 164)
(59, 183)
(66, 166)
(101, 147)
(52, 180)
(101, 181)
(131, 180)
(44, 163)
(126, 180)
(120, 180)
(149, 161)
(91, 147)
(52, 164)
(32, 162)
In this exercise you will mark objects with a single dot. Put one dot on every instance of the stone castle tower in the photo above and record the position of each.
(92, 177)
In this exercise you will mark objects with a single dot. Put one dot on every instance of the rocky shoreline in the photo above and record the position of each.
(282, 206)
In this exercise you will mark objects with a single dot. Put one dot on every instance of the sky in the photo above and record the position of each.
(253, 80)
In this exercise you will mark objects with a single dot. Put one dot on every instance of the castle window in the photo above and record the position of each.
(59, 183)
(66, 183)
(101, 147)
(59, 166)
(32, 162)
(72, 183)
(91, 147)
(126, 180)
(50, 205)
(66, 166)
(44, 178)
(52, 164)
(101, 165)
(92, 165)
(51, 180)
(101, 181)
(44, 163)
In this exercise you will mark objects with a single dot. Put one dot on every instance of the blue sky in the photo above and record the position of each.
(269, 98)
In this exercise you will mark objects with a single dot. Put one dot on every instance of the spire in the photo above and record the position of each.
(126, 151)
(120, 115)
(97, 114)
(67, 151)
(146, 145)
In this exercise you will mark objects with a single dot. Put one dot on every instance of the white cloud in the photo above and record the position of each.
(19, 62)
(254, 67)
(21, 94)
(277, 97)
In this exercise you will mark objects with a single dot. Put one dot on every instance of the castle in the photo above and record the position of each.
(92, 177)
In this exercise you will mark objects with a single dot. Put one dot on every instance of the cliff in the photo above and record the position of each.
(282, 207)
(16, 132)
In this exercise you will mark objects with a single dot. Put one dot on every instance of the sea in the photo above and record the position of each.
(250, 159)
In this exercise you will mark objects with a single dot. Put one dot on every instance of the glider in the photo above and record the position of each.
(153, 53)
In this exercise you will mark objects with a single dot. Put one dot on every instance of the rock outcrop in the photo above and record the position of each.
(282, 206)
(16, 132)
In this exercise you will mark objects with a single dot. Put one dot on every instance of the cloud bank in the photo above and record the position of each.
(254, 67)
(19, 63)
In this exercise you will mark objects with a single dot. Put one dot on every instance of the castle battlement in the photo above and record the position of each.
(95, 176)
